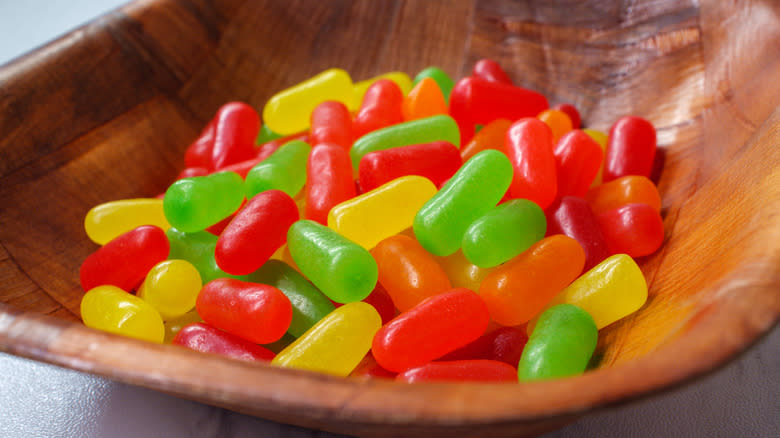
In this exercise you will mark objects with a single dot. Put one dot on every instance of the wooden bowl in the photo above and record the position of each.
(106, 112)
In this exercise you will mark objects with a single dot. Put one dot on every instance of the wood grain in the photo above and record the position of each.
(105, 113)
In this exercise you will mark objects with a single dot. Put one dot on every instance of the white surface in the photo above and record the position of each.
(38, 400)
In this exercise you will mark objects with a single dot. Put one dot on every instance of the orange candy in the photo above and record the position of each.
(408, 272)
(558, 121)
(425, 100)
(519, 289)
(491, 136)
(631, 189)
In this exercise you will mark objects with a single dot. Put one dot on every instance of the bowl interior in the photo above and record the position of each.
(106, 112)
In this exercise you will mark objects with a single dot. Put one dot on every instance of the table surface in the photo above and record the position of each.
(741, 399)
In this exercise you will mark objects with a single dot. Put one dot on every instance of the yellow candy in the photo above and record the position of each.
(289, 111)
(610, 291)
(383, 212)
(402, 79)
(337, 343)
(461, 272)
(107, 221)
(601, 139)
(171, 287)
(173, 326)
(113, 310)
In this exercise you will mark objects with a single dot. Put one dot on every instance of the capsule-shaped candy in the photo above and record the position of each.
(431, 329)
(561, 344)
(401, 79)
(408, 272)
(381, 107)
(108, 220)
(125, 260)
(284, 170)
(256, 232)
(461, 272)
(336, 344)
(633, 229)
(198, 154)
(427, 130)
(600, 138)
(491, 136)
(309, 305)
(443, 80)
(382, 302)
(171, 287)
(207, 339)
(625, 190)
(113, 310)
(491, 71)
(631, 148)
(425, 100)
(437, 161)
(573, 217)
(577, 162)
(331, 123)
(503, 344)
(193, 204)
(237, 125)
(558, 121)
(256, 312)
(339, 267)
(289, 111)
(265, 135)
(473, 370)
(518, 290)
(368, 368)
(571, 111)
(382, 212)
(174, 325)
(530, 150)
(503, 232)
(330, 182)
(197, 248)
(475, 189)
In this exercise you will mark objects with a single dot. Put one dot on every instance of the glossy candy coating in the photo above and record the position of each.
(309, 305)
(339, 267)
(381, 212)
(577, 162)
(256, 232)
(443, 80)
(368, 368)
(207, 339)
(381, 107)
(124, 261)
(427, 130)
(437, 161)
(519, 289)
(174, 325)
(602, 139)
(573, 217)
(237, 125)
(633, 229)
(571, 111)
(436, 326)
(401, 79)
(491, 136)
(265, 135)
(503, 344)
(289, 111)
(113, 310)
(336, 344)
(256, 312)
(284, 170)
(108, 220)
(171, 287)
(193, 204)
(425, 100)
(529, 147)
(490, 70)
(382, 302)
(331, 123)
(558, 121)
(330, 182)
(503, 232)
(625, 190)
(480, 370)
(561, 344)
(475, 189)
(631, 148)
(197, 248)
(198, 153)
(408, 273)
(461, 272)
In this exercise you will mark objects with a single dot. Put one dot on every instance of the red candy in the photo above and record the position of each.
(256, 232)
(504, 344)
(630, 149)
(530, 150)
(437, 161)
(207, 339)
(489, 70)
(461, 371)
(125, 260)
(329, 180)
(571, 111)
(573, 217)
(633, 229)
(331, 123)
(198, 154)
(256, 312)
(237, 125)
(577, 161)
(381, 107)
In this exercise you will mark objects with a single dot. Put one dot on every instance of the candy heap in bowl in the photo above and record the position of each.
(420, 230)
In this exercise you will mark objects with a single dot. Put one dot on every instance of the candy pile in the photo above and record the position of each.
(417, 230)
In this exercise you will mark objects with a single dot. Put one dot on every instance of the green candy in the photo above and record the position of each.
(308, 303)
(442, 79)
(561, 344)
(504, 232)
(265, 135)
(339, 267)
(198, 249)
(427, 130)
(196, 203)
(473, 191)
(284, 170)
